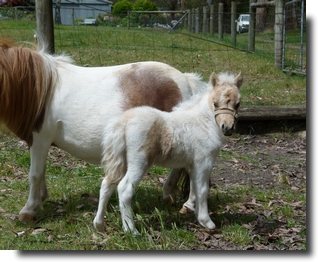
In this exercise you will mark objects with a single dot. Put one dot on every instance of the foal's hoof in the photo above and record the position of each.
(185, 210)
(26, 217)
(169, 200)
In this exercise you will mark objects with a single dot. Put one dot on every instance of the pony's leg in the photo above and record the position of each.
(200, 185)
(38, 190)
(126, 189)
(170, 187)
(106, 191)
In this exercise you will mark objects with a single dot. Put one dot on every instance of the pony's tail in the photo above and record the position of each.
(114, 154)
(197, 85)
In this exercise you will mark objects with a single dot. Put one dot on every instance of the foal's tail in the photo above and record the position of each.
(114, 154)
(197, 85)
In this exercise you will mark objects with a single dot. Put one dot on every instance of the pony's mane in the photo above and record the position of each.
(27, 81)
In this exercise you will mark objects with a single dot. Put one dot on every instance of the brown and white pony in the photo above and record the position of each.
(47, 100)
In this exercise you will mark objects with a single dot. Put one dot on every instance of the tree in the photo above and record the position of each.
(120, 8)
(144, 19)
(145, 5)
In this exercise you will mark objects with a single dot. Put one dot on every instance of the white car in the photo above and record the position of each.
(242, 23)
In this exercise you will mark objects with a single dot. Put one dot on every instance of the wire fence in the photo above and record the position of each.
(208, 24)
(294, 52)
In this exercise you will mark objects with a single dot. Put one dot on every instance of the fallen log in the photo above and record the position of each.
(255, 113)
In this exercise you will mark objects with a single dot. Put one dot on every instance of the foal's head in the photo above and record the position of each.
(225, 100)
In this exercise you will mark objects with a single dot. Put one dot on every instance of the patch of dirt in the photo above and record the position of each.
(263, 161)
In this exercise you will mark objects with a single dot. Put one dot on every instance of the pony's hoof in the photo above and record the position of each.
(100, 227)
(185, 210)
(26, 217)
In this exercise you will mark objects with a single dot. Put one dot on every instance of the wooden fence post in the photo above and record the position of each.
(193, 20)
(190, 20)
(73, 17)
(279, 32)
(251, 30)
(128, 20)
(204, 26)
(221, 8)
(233, 18)
(197, 20)
(44, 23)
(212, 20)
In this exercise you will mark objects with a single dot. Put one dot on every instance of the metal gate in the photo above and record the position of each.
(294, 37)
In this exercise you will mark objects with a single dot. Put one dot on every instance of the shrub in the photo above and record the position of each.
(120, 8)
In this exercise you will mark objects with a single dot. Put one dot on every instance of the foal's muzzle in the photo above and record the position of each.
(227, 129)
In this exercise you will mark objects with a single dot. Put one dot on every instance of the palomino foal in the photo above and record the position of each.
(189, 137)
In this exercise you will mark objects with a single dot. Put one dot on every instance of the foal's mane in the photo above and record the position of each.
(188, 104)
(27, 81)
(226, 78)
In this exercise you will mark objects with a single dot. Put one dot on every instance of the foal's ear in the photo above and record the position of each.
(238, 80)
(214, 79)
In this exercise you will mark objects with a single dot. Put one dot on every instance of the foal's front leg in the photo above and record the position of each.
(38, 190)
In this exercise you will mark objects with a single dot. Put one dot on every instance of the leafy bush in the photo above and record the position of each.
(120, 8)
(145, 5)
(144, 19)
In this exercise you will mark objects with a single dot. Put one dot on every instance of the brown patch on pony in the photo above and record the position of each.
(24, 89)
(147, 87)
(159, 140)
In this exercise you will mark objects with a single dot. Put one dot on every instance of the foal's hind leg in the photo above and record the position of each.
(126, 189)
(190, 204)
(170, 187)
(38, 191)
(106, 191)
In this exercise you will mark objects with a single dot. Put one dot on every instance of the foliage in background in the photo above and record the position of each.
(9, 3)
(120, 8)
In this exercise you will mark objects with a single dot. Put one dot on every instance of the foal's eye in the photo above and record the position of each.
(215, 104)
